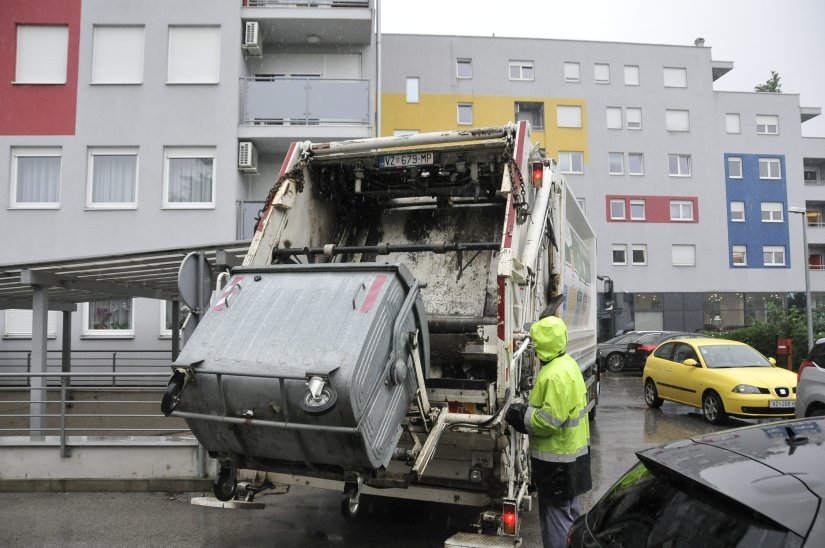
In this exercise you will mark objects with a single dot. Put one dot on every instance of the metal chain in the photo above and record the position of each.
(519, 199)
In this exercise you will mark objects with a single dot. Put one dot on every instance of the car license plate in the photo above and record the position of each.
(406, 160)
(782, 403)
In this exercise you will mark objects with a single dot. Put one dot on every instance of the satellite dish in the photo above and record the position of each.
(195, 281)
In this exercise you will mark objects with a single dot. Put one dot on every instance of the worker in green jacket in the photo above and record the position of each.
(556, 421)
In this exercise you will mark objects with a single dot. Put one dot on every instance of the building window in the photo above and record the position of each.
(36, 176)
(572, 72)
(767, 124)
(109, 318)
(678, 165)
(681, 210)
(737, 212)
(773, 255)
(772, 212)
(18, 324)
(637, 210)
(532, 112)
(677, 120)
(194, 55)
(732, 124)
(614, 117)
(464, 68)
(634, 118)
(189, 175)
(619, 254)
(521, 70)
(412, 90)
(166, 318)
(42, 54)
(112, 178)
(810, 176)
(617, 210)
(582, 203)
(118, 55)
(635, 163)
(675, 77)
(465, 114)
(616, 163)
(568, 116)
(601, 73)
(734, 167)
(683, 255)
(740, 255)
(631, 75)
(571, 162)
(638, 254)
(769, 168)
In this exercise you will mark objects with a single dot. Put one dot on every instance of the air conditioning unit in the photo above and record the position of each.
(247, 157)
(252, 39)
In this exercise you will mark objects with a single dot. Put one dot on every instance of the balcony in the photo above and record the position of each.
(322, 22)
(276, 111)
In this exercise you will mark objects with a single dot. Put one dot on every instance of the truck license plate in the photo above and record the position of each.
(782, 403)
(406, 160)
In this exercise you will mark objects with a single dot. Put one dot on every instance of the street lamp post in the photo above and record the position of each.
(808, 307)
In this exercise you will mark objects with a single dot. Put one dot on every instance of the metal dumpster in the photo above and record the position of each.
(306, 364)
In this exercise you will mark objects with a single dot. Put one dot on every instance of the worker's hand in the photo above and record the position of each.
(515, 417)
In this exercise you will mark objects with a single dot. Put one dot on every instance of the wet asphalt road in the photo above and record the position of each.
(308, 517)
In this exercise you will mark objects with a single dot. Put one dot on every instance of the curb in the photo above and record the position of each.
(88, 485)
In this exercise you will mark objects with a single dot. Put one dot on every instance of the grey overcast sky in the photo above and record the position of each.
(757, 35)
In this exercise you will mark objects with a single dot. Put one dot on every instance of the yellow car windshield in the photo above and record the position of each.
(732, 355)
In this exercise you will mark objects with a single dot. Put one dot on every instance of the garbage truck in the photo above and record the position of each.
(378, 328)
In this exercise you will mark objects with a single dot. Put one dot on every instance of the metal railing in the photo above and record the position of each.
(114, 363)
(277, 101)
(816, 182)
(306, 3)
(70, 411)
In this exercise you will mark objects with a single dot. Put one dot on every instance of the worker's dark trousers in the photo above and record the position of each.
(556, 518)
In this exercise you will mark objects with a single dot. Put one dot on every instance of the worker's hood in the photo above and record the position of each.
(549, 337)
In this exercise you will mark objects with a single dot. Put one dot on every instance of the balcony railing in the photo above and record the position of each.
(306, 3)
(815, 182)
(304, 101)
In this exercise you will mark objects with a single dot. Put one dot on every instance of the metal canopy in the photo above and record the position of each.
(150, 274)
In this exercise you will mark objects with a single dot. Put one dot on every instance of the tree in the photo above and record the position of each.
(771, 84)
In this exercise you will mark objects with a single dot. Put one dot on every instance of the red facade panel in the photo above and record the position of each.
(657, 208)
(35, 109)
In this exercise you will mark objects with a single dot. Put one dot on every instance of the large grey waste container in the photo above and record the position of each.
(347, 326)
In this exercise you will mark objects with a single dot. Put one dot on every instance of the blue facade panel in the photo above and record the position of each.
(753, 191)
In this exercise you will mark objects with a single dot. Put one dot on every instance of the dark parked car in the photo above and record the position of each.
(611, 353)
(810, 388)
(640, 349)
(760, 486)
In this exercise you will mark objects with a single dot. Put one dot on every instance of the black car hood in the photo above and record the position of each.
(758, 466)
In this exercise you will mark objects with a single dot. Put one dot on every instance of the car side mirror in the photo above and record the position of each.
(773, 361)
(690, 362)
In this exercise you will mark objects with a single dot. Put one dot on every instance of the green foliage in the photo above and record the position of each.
(781, 324)
(771, 84)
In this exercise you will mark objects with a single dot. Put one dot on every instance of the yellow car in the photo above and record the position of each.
(720, 376)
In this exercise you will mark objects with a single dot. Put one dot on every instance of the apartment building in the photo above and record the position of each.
(687, 187)
(129, 126)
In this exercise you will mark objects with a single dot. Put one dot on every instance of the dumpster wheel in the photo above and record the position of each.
(171, 398)
(324, 403)
(350, 501)
(225, 485)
